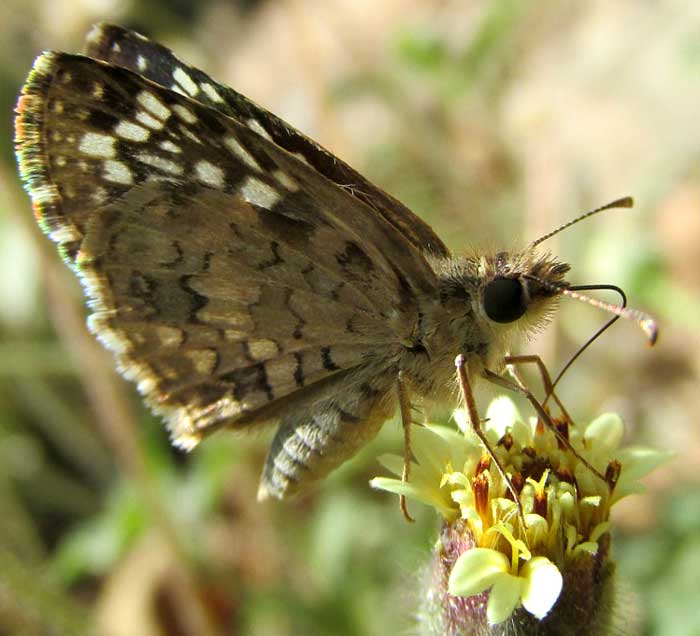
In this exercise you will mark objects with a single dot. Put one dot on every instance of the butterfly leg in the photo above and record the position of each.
(511, 361)
(470, 403)
(543, 415)
(406, 420)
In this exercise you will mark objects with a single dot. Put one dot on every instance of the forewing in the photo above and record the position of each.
(131, 50)
(226, 274)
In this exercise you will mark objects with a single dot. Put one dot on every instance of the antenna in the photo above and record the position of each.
(592, 339)
(645, 322)
(624, 202)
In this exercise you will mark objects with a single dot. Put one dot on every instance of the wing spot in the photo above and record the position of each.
(141, 63)
(151, 103)
(60, 161)
(132, 132)
(259, 193)
(301, 158)
(170, 336)
(149, 120)
(209, 174)
(203, 360)
(239, 151)
(257, 127)
(188, 133)
(182, 78)
(262, 349)
(285, 180)
(97, 145)
(58, 107)
(298, 371)
(99, 195)
(166, 165)
(185, 114)
(169, 146)
(117, 172)
(328, 363)
(211, 92)
(98, 90)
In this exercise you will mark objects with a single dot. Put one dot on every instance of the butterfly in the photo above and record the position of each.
(241, 274)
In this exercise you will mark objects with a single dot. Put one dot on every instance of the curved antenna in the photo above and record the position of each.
(645, 322)
(593, 338)
(624, 202)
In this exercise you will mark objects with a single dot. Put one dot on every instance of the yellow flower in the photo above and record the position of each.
(521, 556)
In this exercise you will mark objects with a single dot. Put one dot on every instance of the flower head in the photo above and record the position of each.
(520, 556)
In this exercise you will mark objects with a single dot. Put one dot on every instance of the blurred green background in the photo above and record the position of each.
(496, 121)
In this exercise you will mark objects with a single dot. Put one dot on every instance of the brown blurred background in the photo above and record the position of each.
(496, 121)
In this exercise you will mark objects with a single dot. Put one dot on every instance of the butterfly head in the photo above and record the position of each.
(520, 287)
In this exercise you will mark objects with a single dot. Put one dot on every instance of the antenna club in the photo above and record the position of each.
(624, 202)
(651, 329)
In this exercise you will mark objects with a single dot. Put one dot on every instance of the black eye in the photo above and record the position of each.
(504, 300)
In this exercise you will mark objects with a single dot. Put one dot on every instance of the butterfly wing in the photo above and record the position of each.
(233, 282)
(131, 50)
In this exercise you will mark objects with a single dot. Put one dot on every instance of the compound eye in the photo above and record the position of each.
(504, 300)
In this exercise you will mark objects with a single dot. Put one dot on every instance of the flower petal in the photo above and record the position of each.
(638, 461)
(475, 570)
(431, 497)
(605, 432)
(542, 585)
(504, 598)
(391, 462)
(501, 415)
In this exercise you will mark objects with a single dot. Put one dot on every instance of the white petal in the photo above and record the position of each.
(475, 570)
(605, 432)
(504, 598)
(501, 415)
(393, 463)
(430, 450)
(542, 586)
(461, 417)
(638, 461)
(431, 497)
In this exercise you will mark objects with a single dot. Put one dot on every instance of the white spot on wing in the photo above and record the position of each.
(259, 193)
(211, 92)
(240, 152)
(185, 114)
(209, 174)
(301, 157)
(118, 172)
(141, 63)
(285, 180)
(149, 121)
(256, 126)
(99, 195)
(166, 165)
(170, 146)
(132, 132)
(182, 78)
(97, 145)
(151, 103)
